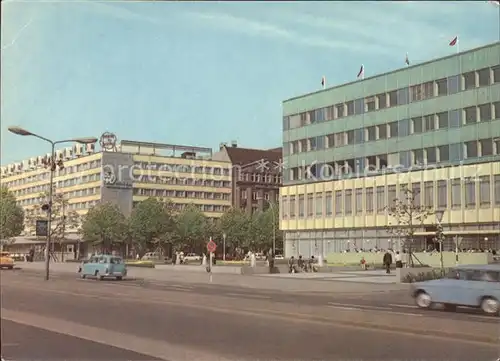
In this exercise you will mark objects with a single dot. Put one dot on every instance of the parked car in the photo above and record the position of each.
(152, 256)
(103, 266)
(6, 261)
(470, 286)
(279, 257)
(191, 257)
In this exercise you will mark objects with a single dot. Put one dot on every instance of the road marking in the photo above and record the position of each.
(10, 345)
(375, 310)
(181, 286)
(403, 306)
(172, 288)
(359, 306)
(240, 295)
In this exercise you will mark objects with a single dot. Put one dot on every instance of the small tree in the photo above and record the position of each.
(11, 216)
(105, 226)
(236, 225)
(152, 224)
(406, 216)
(191, 228)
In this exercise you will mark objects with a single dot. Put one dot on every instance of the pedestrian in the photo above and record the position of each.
(399, 261)
(291, 265)
(387, 261)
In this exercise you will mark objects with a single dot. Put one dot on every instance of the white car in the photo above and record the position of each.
(192, 257)
(279, 256)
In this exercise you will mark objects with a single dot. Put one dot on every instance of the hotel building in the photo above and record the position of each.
(129, 174)
(432, 127)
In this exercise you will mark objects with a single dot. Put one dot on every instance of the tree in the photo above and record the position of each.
(63, 219)
(236, 225)
(191, 228)
(11, 216)
(104, 226)
(406, 216)
(152, 224)
(265, 229)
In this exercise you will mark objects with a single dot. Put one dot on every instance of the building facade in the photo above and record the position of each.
(129, 174)
(350, 151)
(256, 176)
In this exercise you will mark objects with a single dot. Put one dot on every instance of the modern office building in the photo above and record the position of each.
(350, 150)
(125, 175)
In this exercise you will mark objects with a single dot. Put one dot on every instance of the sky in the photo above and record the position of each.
(201, 73)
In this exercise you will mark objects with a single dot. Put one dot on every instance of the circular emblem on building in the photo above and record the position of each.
(108, 177)
(108, 141)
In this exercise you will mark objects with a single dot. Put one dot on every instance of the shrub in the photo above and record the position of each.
(422, 276)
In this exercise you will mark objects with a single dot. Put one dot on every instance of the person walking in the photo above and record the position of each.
(387, 261)
(399, 261)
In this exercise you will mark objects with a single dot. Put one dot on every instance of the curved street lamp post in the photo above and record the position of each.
(23, 132)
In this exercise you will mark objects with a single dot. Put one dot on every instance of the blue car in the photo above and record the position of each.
(476, 286)
(103, 266)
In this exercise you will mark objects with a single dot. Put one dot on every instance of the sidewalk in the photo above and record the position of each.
(175, 275)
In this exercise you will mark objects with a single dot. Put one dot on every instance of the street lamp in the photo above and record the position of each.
(223, 246)
(23, 132)
(440, 237)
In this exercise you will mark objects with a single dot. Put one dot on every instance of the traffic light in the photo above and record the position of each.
(45, 207)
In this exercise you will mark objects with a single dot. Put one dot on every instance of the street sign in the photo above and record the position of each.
(41, 228)
(211, 246)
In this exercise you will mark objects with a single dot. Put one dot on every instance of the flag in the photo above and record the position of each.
(361, 72)
(407, 60)
(454, 41)
(323, 82)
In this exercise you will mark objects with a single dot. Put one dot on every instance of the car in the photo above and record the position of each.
(6, 261)
(476, 286)
(103, 266)
(192, 257)
(279, 257)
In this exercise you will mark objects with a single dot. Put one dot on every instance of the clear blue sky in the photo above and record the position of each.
(202, 73)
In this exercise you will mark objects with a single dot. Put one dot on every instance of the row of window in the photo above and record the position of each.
(184, 168)
(180, 194)
(260, 178)
(399, 128)
(67, 195)
(185, 181)
(398, 161)
(203, 207)
(403, 96)
(483, 192)
(58, 184)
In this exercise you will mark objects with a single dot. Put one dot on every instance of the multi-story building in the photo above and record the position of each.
(350, 150)
(132, 172)
(256, 175)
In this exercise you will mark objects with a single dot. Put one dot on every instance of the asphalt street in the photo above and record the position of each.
(180, 325)
(397, 302)
(22, 342)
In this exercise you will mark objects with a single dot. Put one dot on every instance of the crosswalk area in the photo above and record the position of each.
(373, 276)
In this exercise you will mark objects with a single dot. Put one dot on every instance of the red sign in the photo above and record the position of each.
(211, 246)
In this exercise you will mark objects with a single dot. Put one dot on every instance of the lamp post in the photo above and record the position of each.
(440, 237)
(223, 246)
(24, 132)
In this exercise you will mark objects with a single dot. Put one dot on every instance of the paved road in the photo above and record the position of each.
(22, 342)
(185, 325)
(396, 301)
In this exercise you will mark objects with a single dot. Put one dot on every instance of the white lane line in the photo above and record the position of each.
(359, 306)
(402, 306)
(389, 311)
(243, 295)
(182, 286)
(178, 289)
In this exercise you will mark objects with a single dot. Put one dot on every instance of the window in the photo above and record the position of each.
(470, 194)
(292, 206)
(393, 98)
(469, 80)
(310, 201)
(418, 156)
(312, 116)
(442, 194)
(382, 131)
(359, 106)
(359, 136)
(496, 109)
(350, 137)
(496, 143)
(381, 200)
(382, 98)
(286, 123)
(359, 201)
(405, 158)
(330, 141)
(496, 185)
(369, 200)
(340, 110)
(443, 120)
(484, 77)
(371, 133)
(453, 84)
(444, 153)
(415, 189)
(319, 205)
(338, 203)
(485, 113)
(403, 96)
(350, 108)
(339, 140)
(431, 155)
(328, 203)
(391, 194)
(301, 206)
(404, 127)
(382, 160)
(456, 193)
(455, 118)
(456, 152)
(312, 144)
(320, 142)
(416, 92)
(319, 114)
(471, 149)
(303, 119)
(429, 194)
(370, 104)
(348, 202)
(496, 74)
(470, 115)
(330, 113)
(484, 191)
(417, 125)
(430, 123)
(442, 87)
(393, 129)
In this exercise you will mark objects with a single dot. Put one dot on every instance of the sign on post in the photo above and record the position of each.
(211, 246)
(41, 228)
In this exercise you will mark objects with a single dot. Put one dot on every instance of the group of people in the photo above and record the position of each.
(301, 265)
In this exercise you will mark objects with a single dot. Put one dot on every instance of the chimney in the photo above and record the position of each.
(221, 146)
(234, 144)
